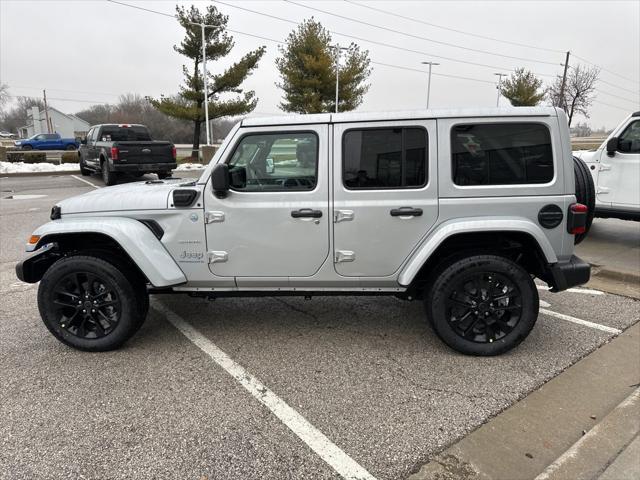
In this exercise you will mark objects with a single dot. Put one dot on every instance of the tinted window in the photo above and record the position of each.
(275, 162)
(51, 136)
(501, 154)
(124, 134)
(629, 141)
(385, 158)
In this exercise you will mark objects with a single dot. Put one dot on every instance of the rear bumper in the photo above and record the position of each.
(143, 167)
(570, 273)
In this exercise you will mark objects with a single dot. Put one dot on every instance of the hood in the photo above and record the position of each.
(130, 196)
(585, 155)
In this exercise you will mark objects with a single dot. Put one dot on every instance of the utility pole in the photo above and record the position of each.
(338, 50)
(563, 102)
(206, 84)
(499, 75)
(429, 80)
(46, 111)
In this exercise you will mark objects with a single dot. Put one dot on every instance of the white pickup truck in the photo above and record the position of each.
(615, 168)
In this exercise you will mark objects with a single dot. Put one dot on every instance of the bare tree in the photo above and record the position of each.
(4, 95)
(579, 91)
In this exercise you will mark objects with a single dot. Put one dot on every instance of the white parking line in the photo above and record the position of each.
(587, 291)
(85, 181)
(342, 463)
(585, 323)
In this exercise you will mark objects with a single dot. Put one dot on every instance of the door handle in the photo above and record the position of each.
(306, 213)
(406, 212)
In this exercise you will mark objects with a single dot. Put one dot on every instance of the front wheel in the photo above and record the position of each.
(83, 167)
(70, 147)
(482, 304)
(163, 175)
(90, 304)
(27, 147)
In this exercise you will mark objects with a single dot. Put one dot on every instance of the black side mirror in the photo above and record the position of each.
(220, 180)
(612, 146)
(83, 141)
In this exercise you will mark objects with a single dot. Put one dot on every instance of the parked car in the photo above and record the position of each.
(47, 141)
(615, 168)
(121, 148)
(5, 134)
(460, 209)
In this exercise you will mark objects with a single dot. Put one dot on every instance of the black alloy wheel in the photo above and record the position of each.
(87, 306)
(484, 307)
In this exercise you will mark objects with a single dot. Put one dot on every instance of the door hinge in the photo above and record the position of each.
(218, 257)
(604, 167)
(342, 216)
(343, 256)
(213, 217)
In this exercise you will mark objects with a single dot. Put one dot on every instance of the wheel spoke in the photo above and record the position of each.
(65, 304)
(459, 303)
(106, 319)
(508, 308)
(107, 303)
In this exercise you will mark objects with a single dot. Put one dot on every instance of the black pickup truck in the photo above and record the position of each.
(124, 148)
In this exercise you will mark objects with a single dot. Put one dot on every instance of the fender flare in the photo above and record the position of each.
(471, 225)
(135, 238)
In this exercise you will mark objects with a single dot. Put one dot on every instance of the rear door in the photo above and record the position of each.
(385, 194)
(274, 222)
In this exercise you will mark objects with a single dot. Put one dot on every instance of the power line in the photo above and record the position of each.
(357, 38)
(610, 105)
(376, 42)
(439, 42)
(453, 29)
(605, 69)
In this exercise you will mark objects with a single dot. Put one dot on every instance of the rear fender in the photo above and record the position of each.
(135, 238)
(472, 225)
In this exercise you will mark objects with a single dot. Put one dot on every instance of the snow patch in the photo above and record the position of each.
(190, 166)
(21, 167)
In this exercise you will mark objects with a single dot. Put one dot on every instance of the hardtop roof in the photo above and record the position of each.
(399, 115)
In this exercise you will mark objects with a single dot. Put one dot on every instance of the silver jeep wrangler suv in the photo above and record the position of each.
(461, 209)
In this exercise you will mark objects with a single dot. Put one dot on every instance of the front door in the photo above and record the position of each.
(274, 222)
(385, 194)
(619, 176)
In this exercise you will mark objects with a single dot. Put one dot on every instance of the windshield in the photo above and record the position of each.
(124, 134)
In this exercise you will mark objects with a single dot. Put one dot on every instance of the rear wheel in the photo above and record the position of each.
(585, 194)
(90, 304)
(108, 176)
(71, 147)
(163, 175)
(27, 147)
(482, 304)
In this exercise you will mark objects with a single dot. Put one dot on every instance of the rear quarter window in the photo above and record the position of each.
(501, 154)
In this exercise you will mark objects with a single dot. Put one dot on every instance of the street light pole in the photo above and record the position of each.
(429, 80)
(338, 50)
(499, 75)
(206, 83)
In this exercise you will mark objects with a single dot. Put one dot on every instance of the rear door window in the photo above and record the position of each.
(501, 154)
(379, 158)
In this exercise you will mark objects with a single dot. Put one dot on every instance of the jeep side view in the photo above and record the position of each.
(461, 209)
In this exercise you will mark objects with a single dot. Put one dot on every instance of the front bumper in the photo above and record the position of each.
(570, 273)
(143, 167)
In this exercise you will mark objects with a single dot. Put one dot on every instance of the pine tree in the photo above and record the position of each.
(189, 103)
(307, 67)
(521, 88)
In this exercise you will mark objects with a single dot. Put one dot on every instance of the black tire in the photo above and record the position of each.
(585, 194)
(108, 177)
(83, 167)
(71, 147)
(138, 174)
(498, 321)
(163, 175)
(116, 319)
(27, 147)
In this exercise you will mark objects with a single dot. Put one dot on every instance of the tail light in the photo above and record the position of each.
(577, 218)
(114, 153)
(174, 153)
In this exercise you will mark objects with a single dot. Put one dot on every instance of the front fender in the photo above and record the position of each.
(135, 238)
(470, 225)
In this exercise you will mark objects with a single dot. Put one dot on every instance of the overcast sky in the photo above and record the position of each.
(87, 52)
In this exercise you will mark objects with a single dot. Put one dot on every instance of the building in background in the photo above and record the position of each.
(67, 125)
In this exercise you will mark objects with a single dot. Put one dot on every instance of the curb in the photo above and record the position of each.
(39, 174)
(595, 451)
(617, 275)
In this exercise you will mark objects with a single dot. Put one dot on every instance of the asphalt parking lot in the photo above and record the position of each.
(366, 372)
